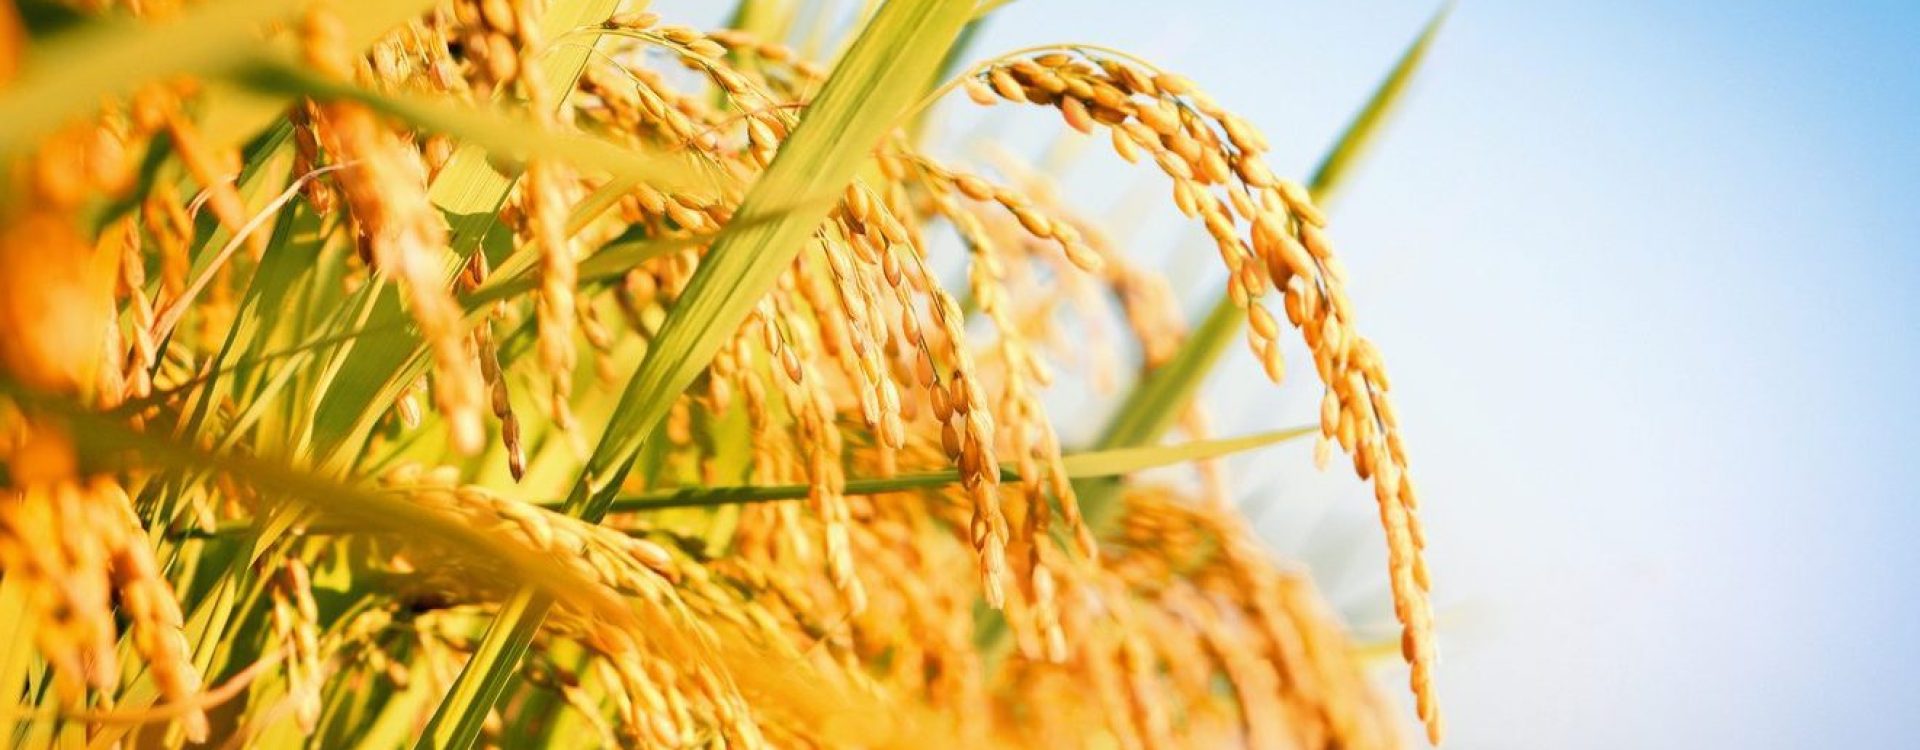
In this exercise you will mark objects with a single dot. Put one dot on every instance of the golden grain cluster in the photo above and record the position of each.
(304, 344)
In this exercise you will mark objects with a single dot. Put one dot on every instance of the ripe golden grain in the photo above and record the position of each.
(860, 363)
(296, 625)
(403, 232)
(1181, 128)
(149, 603)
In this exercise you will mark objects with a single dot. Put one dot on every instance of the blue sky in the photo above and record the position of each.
(1644, 276)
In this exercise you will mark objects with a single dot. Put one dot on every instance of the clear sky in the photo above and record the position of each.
(1644, 275)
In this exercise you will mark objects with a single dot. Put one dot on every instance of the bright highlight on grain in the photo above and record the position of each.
(455, 368)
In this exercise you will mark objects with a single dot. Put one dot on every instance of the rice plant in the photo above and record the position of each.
(378, 373)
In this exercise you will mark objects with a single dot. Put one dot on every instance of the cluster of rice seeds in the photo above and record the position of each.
(649, 710)
(723, 592)
(1253, 579)
(844, 291)
(924, 618)
(873, 293)
(917, 622)
(663, 681)
(821, 443)
(487, 349)
(1357, 413)
(75, 545)
(506, 37)
(959, 403)
(1221, 637)
(663, 697)
(1352, 711)
(1147, 302)
(638, 103)
(763, 119)
(1028, 434)
(868, 282)
(967, 436)
(356, 644)
(801, 74)
(642, 104)
(753, 378)
(164, 217)
(1268, 615)
(147, 600)
(761, 370)
(1113, 658)
(772, 531)
(296, 627)
(629, 565)
(1149, 306)
(543, 672)
(1207, 151)
(544, 197)
(1158, 315)
(1151, 632)
(308, 156)
(872, 275)
(213, 169)
(875, 248)
(1042, 228)
(402, 234)
(496, 39)
(50, 538)
(1163, 117)
(1033, 218)
(130, 289)
(1035, 447)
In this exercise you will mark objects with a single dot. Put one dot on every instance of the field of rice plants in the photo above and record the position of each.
(546, 373)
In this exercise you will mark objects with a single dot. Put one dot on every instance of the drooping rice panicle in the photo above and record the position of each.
(1207, 151)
